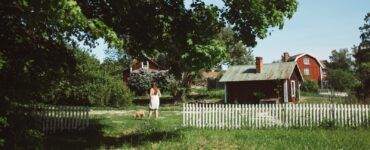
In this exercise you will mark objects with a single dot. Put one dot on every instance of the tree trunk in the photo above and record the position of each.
(184, 87)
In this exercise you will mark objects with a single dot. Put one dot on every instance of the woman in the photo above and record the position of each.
(155, 93)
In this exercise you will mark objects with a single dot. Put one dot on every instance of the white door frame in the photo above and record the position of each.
(285, 91)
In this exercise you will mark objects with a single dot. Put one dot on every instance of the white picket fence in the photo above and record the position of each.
(62, 118)
(234, 116)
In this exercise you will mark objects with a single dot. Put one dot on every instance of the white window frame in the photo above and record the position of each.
(306, 60)
(293, 88)
(306, 71)
(145, 66)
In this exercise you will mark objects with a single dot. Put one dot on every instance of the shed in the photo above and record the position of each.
(251, 83)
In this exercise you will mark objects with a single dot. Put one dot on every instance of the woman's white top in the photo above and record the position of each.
(154, 99)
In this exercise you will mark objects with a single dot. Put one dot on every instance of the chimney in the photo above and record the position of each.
(259, 64)
(285, 57)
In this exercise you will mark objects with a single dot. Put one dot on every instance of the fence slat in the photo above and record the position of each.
(62, 118)
(231, 116)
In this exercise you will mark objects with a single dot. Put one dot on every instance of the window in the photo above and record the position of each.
(306, 60)
(292, 88)
(145, 65)
(306, 71)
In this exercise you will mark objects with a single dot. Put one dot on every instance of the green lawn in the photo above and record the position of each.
(123, 131)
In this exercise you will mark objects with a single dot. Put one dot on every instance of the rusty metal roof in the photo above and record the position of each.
(272, 71)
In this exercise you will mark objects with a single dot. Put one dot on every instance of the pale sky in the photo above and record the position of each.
(317, 27)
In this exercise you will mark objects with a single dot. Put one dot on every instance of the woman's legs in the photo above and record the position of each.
(156, 113)
(150, 113)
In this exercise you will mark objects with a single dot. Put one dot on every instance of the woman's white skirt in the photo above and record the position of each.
(154, 102)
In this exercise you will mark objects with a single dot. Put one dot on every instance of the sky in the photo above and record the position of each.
(317, 28)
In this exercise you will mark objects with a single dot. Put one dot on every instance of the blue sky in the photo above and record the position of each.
(317, 27)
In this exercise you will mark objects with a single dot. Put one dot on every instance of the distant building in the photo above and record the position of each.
(311, 68)
(251, 83)
(147, 64)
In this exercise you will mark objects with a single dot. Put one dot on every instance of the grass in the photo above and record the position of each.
(315, 98)
(125, 132)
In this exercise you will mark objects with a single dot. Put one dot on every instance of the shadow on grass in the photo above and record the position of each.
(93, 138)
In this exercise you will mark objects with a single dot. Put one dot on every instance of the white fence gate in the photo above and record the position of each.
(62, 118)
(232, 116)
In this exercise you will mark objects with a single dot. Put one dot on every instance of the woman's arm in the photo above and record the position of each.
(151, 92)
(159, 93)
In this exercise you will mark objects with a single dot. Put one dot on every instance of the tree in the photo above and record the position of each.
(342, 80)
(340, 59)
(186, 37)
(341, 75)
(362, 56)
(37, 44)
(238, 53)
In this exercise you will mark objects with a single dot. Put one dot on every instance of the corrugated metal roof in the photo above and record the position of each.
(271, 71)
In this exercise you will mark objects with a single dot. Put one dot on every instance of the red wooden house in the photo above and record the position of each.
(251, 83)
(136, 65)
(311, 68)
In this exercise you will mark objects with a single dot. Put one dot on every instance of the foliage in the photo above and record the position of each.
(340, 73)
(327, 124)
(259, 95)
(186, 36)
(340, 59)
(205, 93)
(140, 82)
(251, 19)
(90, 85)
(310, 86)
(238, 53)
(36, 39)
(116, 62)
(362, 56)
(342, 80)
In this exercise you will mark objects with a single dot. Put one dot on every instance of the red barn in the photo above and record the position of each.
(252, 83)
(310, 66)
(149, 65)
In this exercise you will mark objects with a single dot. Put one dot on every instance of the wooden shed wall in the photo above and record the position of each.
(243, 92)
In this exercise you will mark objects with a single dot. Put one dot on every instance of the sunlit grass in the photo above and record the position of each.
(166, 132)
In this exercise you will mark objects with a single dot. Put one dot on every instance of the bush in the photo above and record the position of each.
(310, 86)
(89, 85)
(140, 82)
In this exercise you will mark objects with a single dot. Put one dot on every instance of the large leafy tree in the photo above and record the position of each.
(186, 36)
(238, 52)
(36, 53)
(362, 55)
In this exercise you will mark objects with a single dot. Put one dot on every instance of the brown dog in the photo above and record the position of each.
(139, 114)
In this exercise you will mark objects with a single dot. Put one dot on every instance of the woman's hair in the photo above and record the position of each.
(155, 88)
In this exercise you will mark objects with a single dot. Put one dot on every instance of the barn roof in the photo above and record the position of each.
(295, 58)
(272, 71)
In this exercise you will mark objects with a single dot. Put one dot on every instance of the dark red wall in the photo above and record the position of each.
(243, 92)
(314, 67)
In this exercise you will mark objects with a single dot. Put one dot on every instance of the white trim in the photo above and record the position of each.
(306, 71)
(225, 90)
(299, 56)
(292, 88)
(321, 77)
(306, 60)
(285, 90)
